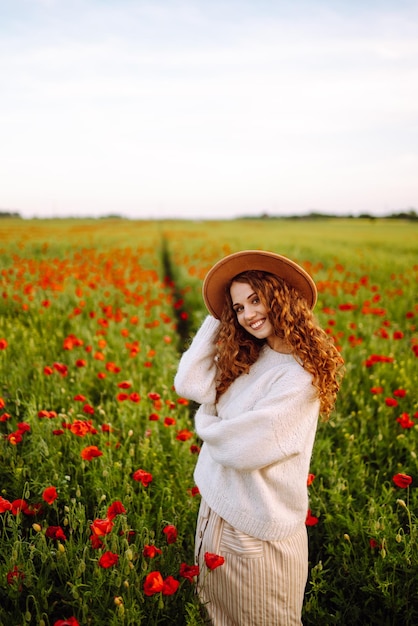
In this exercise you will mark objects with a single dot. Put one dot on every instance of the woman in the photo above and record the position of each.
(262, 371)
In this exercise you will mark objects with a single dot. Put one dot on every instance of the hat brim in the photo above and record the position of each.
(221, 274)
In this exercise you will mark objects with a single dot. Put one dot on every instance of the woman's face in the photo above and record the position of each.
(251, 313)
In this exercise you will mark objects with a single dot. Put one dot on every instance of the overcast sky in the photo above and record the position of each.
(208, 108)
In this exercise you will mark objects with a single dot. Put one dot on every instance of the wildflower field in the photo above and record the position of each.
(97, 498)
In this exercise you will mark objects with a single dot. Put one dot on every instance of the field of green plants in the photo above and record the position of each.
(97, 498)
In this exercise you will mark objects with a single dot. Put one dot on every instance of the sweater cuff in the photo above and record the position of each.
(209, 328)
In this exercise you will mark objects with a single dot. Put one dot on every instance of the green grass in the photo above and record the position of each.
(104, 284)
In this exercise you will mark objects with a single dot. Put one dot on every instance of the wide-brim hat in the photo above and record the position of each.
(221, 274)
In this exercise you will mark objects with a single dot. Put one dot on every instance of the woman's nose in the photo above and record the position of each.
(249, 313)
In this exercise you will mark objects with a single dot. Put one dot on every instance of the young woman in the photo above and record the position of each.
(262, 371)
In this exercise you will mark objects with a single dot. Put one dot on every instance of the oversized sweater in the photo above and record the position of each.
(257, 439)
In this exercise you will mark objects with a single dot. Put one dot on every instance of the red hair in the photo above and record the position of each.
(292, 320)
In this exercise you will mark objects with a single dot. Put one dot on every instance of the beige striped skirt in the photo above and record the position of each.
(261, 583)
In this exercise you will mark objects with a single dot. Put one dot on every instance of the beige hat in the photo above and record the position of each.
(221, 274)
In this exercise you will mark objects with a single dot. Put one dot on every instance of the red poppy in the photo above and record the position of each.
(184, 435)
(134, 397)
(81, 363)
(154, 396)
(5, 505)
(376, 390)
(151, 551)
(80, 398)
(15, 577)
(311, 478)
(391, 402)
(108, 559)
(143, 477)
(405, 421)
(61, 369)
(116, 508)
(125, 384)
(5, 417)
(101, 527)
(402, 480)
(19, 506)
(189, 571)
(311, 520)
(170, 586)
(81, 428)
(169, 421)
(87, 408)
(50, 494)
(2, 403)
(213, 560)
(170, 532)
(399, 393)
(71, 621)
(90, 452)
(14, 438)
(55, 532)
(3, 344)
(96, 542)
(153, 583)
(154, 417)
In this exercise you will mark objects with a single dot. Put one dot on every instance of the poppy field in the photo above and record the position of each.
(97, 498)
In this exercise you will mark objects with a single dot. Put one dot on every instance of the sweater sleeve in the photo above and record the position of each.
(196, 374)
(274, 431)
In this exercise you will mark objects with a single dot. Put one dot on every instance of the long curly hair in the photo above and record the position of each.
(294, 322)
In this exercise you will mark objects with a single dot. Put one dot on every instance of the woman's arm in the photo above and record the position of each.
(276, 430)
(196, 374)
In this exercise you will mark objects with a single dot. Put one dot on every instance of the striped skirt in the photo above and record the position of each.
(261, 583)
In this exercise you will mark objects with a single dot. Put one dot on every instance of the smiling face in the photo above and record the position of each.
(251, 313)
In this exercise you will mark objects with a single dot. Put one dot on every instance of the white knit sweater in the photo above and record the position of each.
(253, 466)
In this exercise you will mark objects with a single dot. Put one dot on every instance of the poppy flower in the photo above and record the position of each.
(143, 477)
(15, 576)
(87, 408)
(5, 505)
(125, 384)
(50, 494)
(3, 344)
(116, 508)
(170, 586)
(108, 559)
(391, 402)
(402, 480)
(151, 551)
(184, 435)
(90, 452)
(213, 560)
(101, 527)
(96, 542)
(19, 506)
(311, 478)
(311, 520)
(71, 621)
(189, 571)
(405, 421)
(55, 532)
(153, 583)
(170, 532)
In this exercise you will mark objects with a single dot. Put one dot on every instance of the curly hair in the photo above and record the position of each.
(294, 322)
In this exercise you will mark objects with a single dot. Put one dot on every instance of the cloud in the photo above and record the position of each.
(168, 103)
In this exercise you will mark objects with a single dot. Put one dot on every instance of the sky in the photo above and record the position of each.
(208, 108)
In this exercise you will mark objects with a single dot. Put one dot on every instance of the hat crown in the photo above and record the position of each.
(220, 275)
